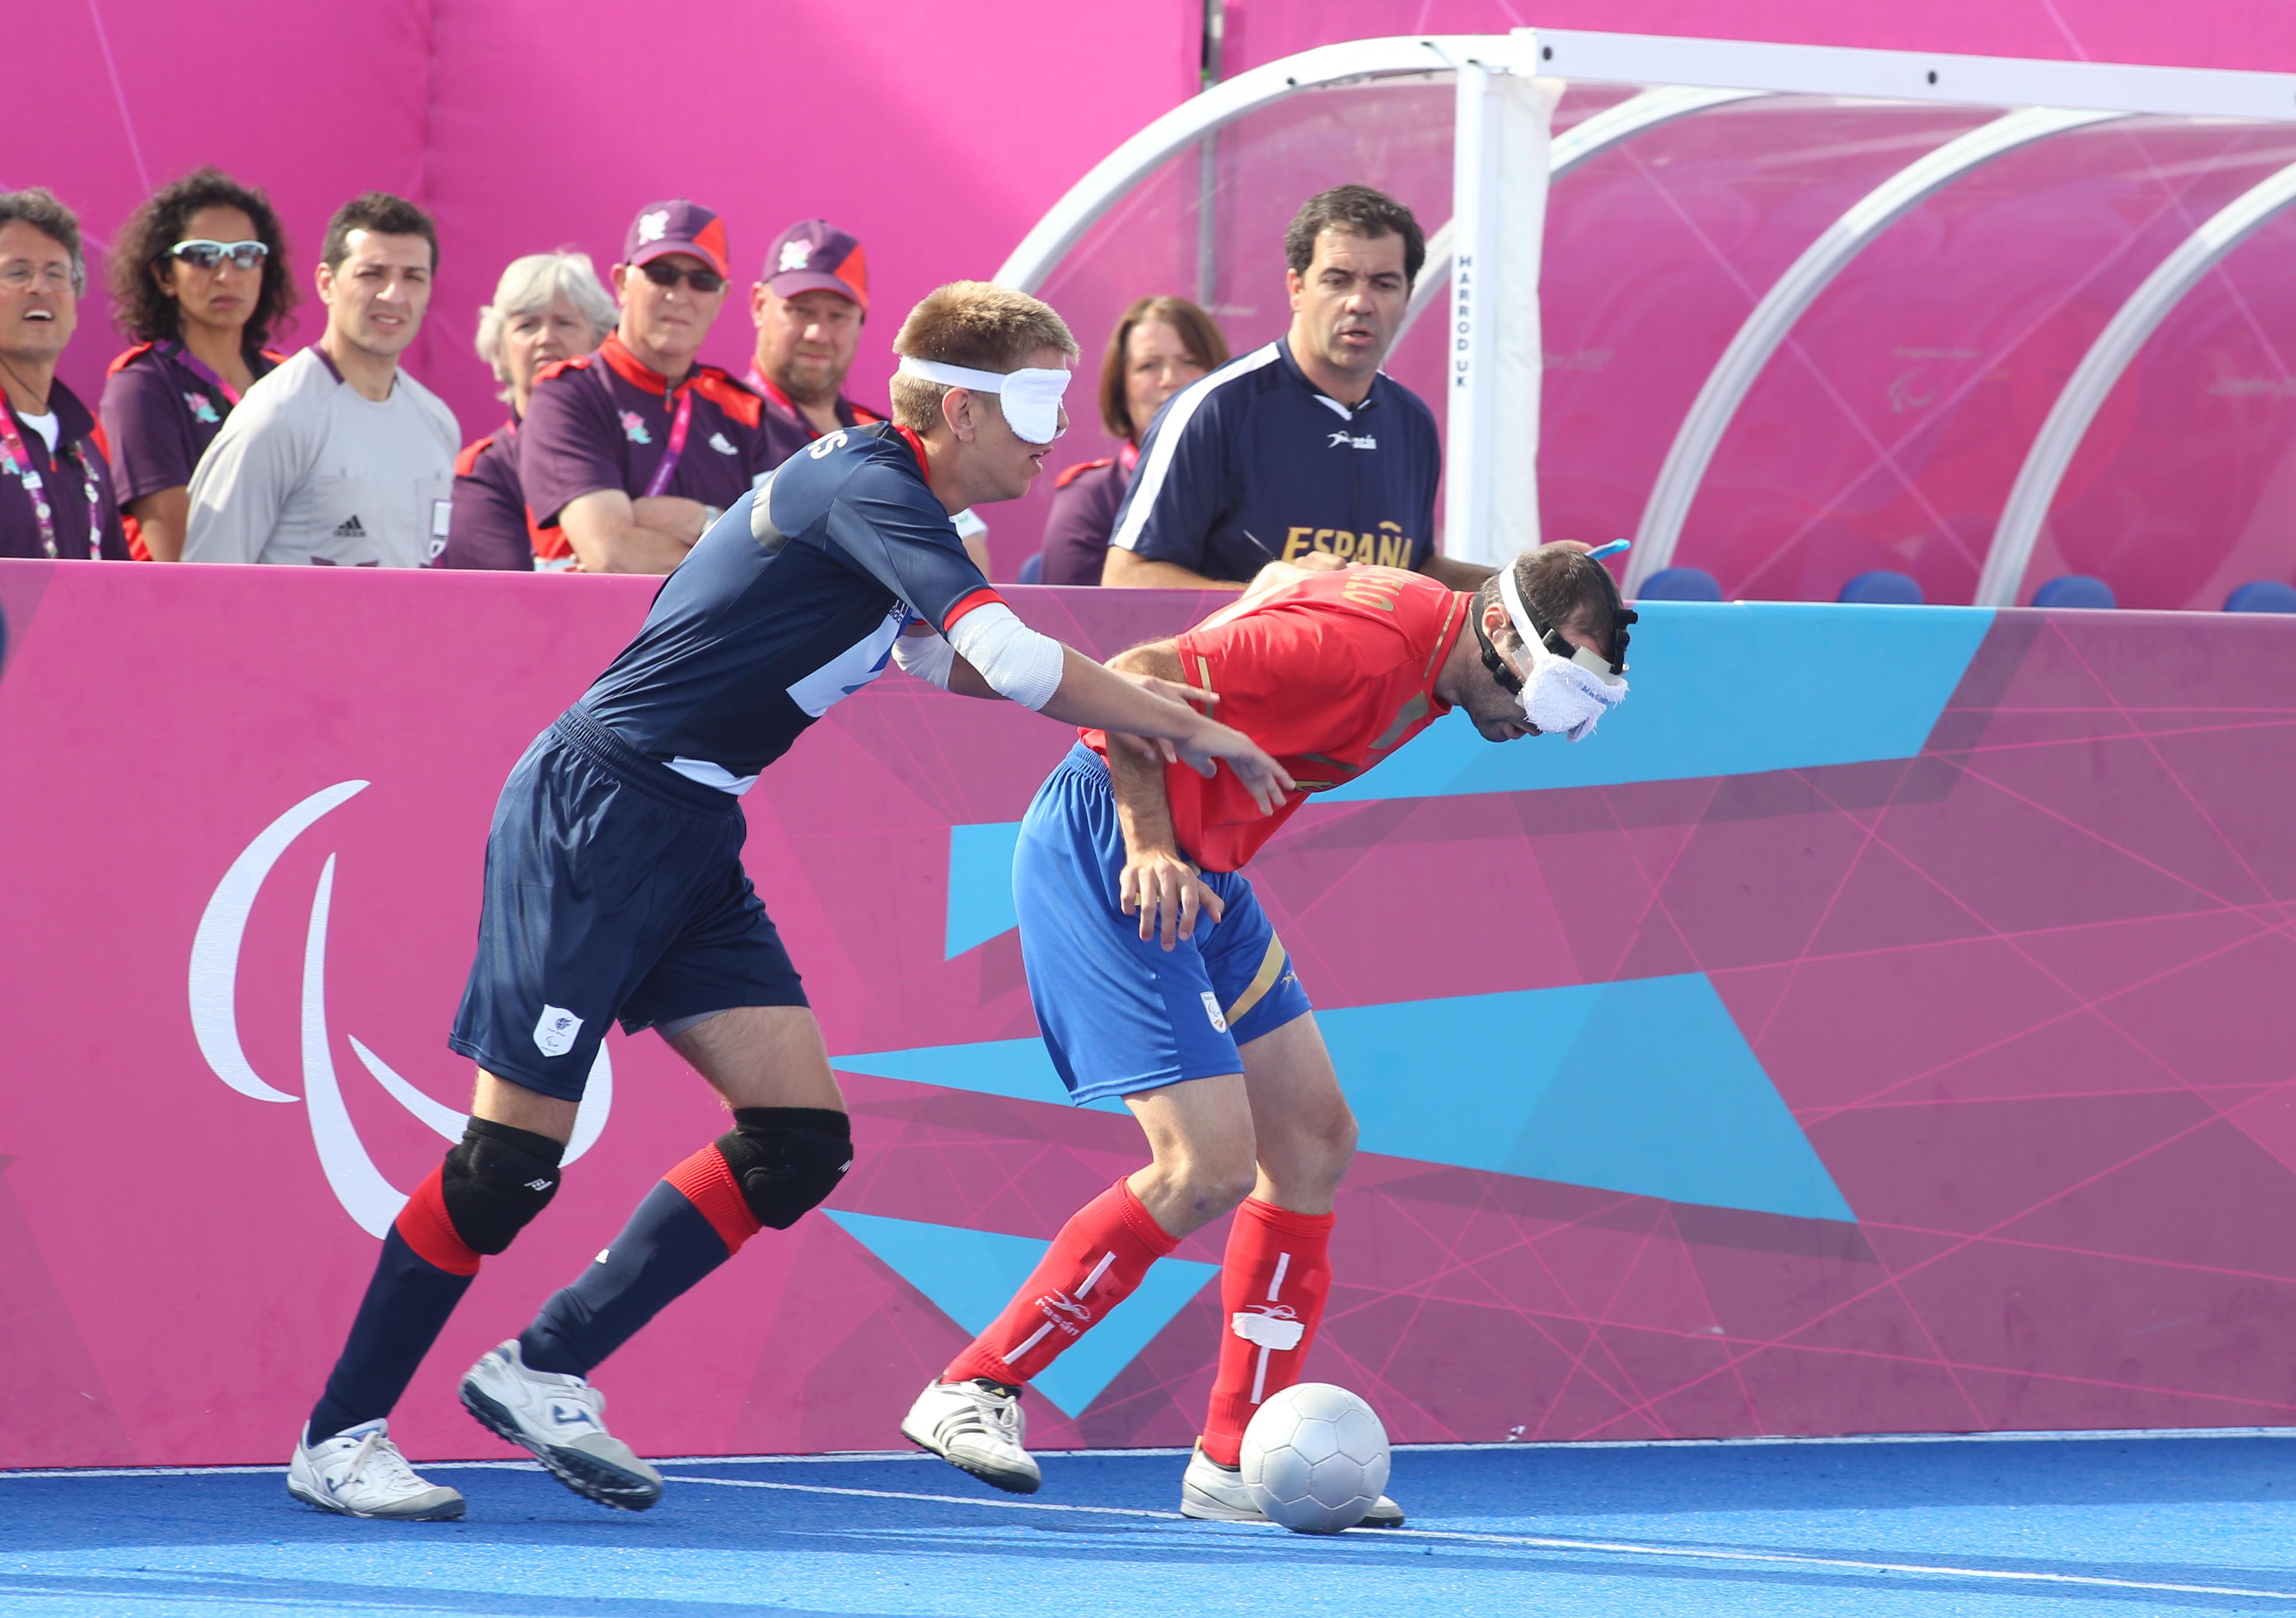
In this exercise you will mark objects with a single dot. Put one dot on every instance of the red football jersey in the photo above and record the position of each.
(1331, 673)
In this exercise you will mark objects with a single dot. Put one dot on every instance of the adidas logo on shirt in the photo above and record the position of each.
(350, 528)
(718, 442)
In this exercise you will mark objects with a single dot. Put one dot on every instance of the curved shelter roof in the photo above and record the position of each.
(1807, 312)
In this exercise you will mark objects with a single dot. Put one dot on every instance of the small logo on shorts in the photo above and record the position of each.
(1211, 1010)
(554, 1035)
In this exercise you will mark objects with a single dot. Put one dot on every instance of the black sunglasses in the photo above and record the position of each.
(205, 255)
(663, 273)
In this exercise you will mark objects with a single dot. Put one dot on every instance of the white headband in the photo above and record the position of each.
(1030, 396)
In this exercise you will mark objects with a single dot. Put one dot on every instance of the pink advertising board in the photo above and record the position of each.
(1917, 1060)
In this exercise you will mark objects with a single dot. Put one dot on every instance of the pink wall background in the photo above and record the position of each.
(525, 125)
(2021, 993)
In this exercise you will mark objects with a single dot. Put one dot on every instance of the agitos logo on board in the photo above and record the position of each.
(365, 1194)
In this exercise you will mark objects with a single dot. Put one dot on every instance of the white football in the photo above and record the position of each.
(1315, 1458)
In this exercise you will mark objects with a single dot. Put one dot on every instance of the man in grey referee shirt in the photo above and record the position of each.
(339, 457)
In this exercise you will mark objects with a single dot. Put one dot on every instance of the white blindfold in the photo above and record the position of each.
(1567, 695)
(1030, 398)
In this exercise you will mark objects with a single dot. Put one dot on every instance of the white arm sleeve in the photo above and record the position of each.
(1017, 662)
(925, 657)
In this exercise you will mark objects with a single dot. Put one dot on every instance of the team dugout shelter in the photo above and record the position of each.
(1785, 315)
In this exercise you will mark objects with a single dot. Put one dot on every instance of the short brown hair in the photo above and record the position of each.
(975, 324)
(1566, 587)
(1204, 342)
(385, 215)
(1360, 211)
(44, 211)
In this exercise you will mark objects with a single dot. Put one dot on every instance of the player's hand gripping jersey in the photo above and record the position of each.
(1330, 672)
(789, 605)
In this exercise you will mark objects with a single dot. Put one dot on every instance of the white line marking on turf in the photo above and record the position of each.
(1548, 1542)
(1555, 1445)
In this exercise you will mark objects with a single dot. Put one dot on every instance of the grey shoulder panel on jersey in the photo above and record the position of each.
(769, 537)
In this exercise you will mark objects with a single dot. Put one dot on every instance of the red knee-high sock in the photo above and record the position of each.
(1093, 1265)
(1273, 1281)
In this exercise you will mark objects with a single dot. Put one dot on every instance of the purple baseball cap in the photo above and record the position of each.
(676, 226)
(813, 255)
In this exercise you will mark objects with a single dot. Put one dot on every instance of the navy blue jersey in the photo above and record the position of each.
(1251, 465)
(789, 605)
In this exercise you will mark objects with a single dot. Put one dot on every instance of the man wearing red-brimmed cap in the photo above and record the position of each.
(631, 452)
(808, 305)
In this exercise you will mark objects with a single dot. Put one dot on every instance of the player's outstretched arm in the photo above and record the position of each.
(1099, 699)
(990, 652)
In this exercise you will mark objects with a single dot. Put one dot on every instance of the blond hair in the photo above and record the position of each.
(975, 324)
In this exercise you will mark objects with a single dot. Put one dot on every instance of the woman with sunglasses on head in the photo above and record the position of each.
(198, 279)
(633, 452)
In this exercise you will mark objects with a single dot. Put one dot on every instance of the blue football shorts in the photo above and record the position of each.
(1120, 1014)
(614, 888)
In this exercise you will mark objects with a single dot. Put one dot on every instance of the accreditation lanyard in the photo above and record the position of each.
(200, 369)
(676, 444)
(19, 462)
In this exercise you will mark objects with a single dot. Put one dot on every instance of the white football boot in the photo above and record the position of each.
(976, 1427)
(1217, 1494)
(360, 1473)
(561, 1419)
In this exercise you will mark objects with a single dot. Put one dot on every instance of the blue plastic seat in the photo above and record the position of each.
(2075, 590)
(1882, 587)
(1680, 585)
(2262, 595)
(1033, 569)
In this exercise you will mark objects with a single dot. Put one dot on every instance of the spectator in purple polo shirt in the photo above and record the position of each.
(808, 307)
(198, 279)
(56, 497)
(548, 308)
(635, 450)
(1160, 346)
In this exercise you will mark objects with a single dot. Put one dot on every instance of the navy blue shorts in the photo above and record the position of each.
(614, 888)
(1119, 1014)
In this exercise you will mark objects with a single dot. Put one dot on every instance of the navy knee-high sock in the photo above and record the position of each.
(424, 1272)
(692, 1221)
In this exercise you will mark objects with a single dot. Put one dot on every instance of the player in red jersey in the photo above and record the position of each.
(1192, 1013)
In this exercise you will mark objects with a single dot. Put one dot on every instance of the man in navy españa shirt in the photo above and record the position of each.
(614, 888)
(1303, 450)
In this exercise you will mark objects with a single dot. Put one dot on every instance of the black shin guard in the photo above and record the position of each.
(787, 1159)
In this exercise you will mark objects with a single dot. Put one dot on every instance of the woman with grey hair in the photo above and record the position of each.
(548, 308)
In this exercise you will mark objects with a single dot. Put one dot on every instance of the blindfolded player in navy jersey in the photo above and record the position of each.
(614, 889)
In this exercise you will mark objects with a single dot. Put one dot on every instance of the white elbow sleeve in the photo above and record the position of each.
(1017, 662)
(925, 657)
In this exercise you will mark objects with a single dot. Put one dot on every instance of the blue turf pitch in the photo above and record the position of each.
(1875, 1529)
